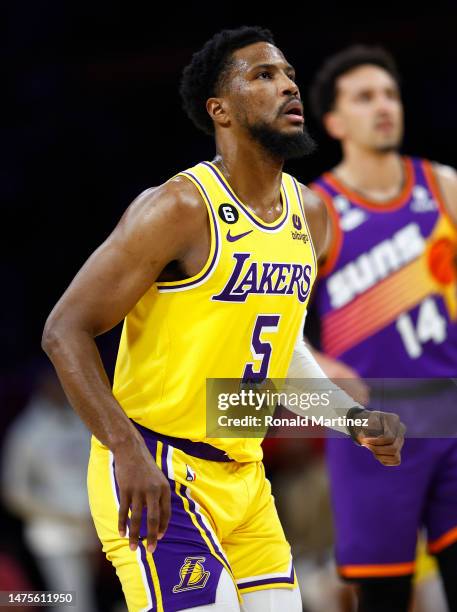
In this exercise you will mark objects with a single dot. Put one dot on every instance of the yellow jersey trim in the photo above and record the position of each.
(214, 250)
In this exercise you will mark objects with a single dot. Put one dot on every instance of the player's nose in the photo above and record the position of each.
(384, 104)
(288, 87)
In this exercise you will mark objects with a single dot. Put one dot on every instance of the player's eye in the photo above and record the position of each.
(264, 75)
(393, 94)
(364, 96)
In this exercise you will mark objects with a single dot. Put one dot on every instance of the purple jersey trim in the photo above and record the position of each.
(302, 208)
(244, 208)
(202, 450)
(199, 280)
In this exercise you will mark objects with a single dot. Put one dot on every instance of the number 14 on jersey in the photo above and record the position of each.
(430, 326)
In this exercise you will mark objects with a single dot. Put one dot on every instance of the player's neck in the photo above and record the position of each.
(253, 175)
(377, 176)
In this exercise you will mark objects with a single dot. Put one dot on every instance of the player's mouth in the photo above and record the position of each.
(385, 126)
(294, 111)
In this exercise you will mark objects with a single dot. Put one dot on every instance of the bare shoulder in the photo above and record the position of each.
(446, 177)
(317, 217)
(176, 203)
(445, 172)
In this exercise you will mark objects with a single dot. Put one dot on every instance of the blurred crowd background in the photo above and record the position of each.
(93, 117)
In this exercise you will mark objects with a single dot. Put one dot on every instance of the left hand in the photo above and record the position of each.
(384, 436)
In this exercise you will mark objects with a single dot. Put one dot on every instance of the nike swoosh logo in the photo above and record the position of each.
(231, 238)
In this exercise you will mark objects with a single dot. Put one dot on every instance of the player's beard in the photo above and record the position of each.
(280, 145)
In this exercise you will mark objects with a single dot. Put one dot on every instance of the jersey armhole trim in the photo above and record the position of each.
(214, 251)
(433, 185)
(337, 234)
(302, 208)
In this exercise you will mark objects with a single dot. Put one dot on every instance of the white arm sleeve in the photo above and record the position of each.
(305, 376)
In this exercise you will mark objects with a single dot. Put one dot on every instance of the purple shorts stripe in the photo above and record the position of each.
(116, 486)
(147, 570)
(200, 521)
(244, 208)
(264, 581)
(190, 283)
(192, 506)
(164, 460)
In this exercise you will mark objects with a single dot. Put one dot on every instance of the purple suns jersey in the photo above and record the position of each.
(387, 294)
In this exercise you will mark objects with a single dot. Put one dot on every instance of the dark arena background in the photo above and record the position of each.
(92, 117)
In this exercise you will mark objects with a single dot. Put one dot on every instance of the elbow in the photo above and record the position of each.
(50, 337)
(54, 333)
(61, 331)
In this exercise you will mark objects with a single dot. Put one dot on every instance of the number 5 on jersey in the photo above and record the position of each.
(261, 349)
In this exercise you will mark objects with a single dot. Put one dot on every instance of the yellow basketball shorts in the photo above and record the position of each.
(222, 515)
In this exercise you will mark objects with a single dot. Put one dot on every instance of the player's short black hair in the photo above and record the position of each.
(204, 76)
(322, 93)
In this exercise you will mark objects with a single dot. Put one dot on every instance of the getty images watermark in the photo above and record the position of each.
(318, 407)
(261, 401)
(248, 409)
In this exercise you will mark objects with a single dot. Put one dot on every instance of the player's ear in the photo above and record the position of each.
(334, 125)
(218, 111)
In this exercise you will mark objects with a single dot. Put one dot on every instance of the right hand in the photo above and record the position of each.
(384, 435)
(345, 377)
(141, 484)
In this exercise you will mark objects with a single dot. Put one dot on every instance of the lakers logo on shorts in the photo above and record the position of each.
(190, 474)
(192, 574)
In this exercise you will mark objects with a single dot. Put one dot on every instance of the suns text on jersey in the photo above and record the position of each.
(268, 278)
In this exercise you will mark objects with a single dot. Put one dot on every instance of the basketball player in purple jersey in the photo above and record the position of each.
(386, 300)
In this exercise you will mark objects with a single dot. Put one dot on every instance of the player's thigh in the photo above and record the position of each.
(257, 550)
(185, 569)
(272, 600)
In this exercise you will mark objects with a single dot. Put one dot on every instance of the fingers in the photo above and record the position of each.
(391, 430)
(158, 514)
(124, 506)
(388, 455)
(390, 461)
(383, 440)
(390, 449)
(153, 514)
(387, 447)
(135, 522)
(158, 510)
(165, 511)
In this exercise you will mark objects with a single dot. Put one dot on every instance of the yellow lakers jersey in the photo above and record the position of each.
(239, 317)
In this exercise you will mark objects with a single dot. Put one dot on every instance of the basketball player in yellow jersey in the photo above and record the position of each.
(212, 272)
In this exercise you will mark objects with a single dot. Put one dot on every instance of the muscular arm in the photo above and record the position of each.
(318, 221)
(160, 226)
(307, 362)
